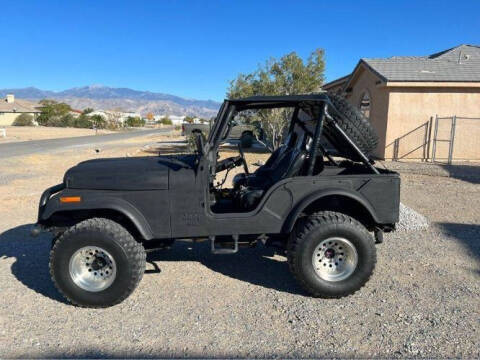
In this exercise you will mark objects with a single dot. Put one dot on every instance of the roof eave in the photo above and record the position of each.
(362, 62)
(431, 83)
(336, 82)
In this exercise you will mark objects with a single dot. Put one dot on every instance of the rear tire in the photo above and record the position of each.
(331, 254)
(90, 248)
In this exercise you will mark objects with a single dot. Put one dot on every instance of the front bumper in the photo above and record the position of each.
(38, 228)
(46, 196)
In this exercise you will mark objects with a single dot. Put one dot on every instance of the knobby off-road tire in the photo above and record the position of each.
(338, 232)
(106, 237)
(355, 124)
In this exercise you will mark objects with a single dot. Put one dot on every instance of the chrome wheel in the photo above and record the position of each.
(92, 268)
(335, 259)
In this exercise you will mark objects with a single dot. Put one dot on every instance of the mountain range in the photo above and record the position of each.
(125, 99)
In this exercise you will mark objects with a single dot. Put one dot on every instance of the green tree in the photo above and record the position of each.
(23, 120)
(67, 120)
(98, 121)
(87, 111)
(54, 113)
(83, 121)
(134, 122)
(288, 75)
(166, 120)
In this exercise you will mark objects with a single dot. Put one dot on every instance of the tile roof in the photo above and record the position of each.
(19, 105)
(461, 63)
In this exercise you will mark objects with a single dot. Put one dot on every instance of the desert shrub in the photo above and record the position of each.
(83, 122)
(134, 122)
(166, 121)
(98, 121)
(23, 120)
(112, 125)
(67, 120)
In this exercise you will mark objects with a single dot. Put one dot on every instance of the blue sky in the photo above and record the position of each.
(193, 48)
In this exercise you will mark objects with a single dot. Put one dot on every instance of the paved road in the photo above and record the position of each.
(36, 146)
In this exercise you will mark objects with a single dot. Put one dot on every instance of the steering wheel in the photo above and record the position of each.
(242, 155)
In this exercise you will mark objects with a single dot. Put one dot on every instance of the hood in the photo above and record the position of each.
(135, 173)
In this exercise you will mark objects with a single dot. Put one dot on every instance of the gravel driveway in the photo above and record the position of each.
(423, 299)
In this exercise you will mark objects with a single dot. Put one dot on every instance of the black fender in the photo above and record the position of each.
(98, 202)
(311, 198)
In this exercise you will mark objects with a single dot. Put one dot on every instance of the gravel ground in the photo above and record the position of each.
(410, 220)
(422, 301)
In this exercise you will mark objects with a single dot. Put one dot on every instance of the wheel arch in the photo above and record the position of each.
(114, 209)
(340, 200)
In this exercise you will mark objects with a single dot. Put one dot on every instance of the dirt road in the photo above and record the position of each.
(9, 150)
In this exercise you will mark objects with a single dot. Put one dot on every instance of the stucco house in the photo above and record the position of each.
(403, 95)
(10, 108)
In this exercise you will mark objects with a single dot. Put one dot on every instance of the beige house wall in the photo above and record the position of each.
(364, 80)
(410, 110)
(403, 115)
(7, 118)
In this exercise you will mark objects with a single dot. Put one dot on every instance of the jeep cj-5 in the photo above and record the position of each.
(319, 199)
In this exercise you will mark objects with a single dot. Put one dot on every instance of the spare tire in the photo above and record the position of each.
(357, 127)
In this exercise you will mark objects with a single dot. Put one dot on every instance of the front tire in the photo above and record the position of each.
(331, 254)
(96, 263)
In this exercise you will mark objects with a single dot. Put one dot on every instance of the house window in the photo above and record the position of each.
(365, 103)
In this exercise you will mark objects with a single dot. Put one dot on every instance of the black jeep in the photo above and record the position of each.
(318, 198)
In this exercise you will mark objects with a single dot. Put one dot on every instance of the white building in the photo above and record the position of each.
(116, 116)
(176, 119)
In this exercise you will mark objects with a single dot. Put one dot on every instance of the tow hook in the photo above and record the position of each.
(36, 230)
(378, 235)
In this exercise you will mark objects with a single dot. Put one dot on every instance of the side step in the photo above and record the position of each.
(218, 251)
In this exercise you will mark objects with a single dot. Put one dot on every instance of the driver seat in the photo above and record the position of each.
(261, 175)
(289, 162)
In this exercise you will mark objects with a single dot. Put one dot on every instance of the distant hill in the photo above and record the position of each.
(107, 98)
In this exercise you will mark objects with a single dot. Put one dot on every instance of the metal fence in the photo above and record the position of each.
(448, 136)
(415, 143)
(450, 140)
(441, 139)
